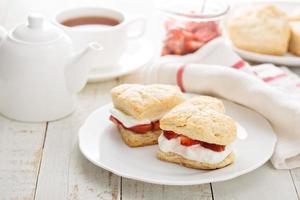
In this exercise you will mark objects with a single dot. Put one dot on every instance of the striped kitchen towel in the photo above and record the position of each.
(218, 52)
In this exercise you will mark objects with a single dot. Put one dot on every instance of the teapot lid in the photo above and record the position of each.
(36, 30)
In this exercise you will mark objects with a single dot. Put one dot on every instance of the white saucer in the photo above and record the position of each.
(288, 59)
(100, 143)
(138, 54)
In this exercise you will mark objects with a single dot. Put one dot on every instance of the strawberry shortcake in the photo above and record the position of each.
(197, 134)
(137, 110)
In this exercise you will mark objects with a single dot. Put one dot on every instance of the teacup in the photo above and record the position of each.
(110, 27)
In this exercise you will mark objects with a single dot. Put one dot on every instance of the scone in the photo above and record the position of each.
(138, 109)
(294, 46)
(264, 29)
(197, 134)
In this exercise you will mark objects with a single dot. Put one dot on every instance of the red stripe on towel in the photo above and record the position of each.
(179, 76)
(239, 64)
(272, 78)
(298, 85)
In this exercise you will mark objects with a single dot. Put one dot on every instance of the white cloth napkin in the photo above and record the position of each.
(271, 91)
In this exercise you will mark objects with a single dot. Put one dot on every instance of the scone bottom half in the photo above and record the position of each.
(178, 159)
(139, 108)
(140, 135)
(197, 134)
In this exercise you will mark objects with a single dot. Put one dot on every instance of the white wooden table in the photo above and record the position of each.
(42, 160)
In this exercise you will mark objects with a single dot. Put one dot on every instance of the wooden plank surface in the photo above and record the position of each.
(21, 147)
(295, 173)
(136, 190)
(264, 183)
(65, 173)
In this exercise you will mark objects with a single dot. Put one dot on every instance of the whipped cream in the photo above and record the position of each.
(129, 121)
(194, 152)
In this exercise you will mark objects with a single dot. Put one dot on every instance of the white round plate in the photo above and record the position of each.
(138, 54)
(100, 143)
(288, 59)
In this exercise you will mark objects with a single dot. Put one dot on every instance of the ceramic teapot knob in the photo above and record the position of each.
(35, 20)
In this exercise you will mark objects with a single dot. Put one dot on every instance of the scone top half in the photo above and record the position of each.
(203, 119)
(146, 101)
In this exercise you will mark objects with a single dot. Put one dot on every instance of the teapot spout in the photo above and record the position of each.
(80, 65)
(3, 34)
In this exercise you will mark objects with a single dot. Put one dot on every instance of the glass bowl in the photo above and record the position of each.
(186, 26)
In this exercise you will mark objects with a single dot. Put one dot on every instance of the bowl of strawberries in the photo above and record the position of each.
(187, 26)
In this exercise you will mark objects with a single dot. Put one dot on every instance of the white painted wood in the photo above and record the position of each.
(65, 173)
(20, 154)
(264, 183)
(132, 190)
(295, 173)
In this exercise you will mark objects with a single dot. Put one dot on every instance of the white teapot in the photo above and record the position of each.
(39, 72)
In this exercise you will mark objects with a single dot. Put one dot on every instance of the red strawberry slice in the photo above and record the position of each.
(207, 31)
(115, 121)
(141, 128)
(170, 135)
(187, 141)
(214, 147)
(188, 37)
(191, 46)
(155, 126)
(165, 51)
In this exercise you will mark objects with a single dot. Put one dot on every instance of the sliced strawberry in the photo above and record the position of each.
(187, 141)
(191, 26)
(187, 35)
(165, 51)
(140, 129)
(170, 135)
(191, 46)
(206, 36)
(115, 121)
(207, 31)
(176, 33)
(214, 147)
(155, 126)
(185, 38)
